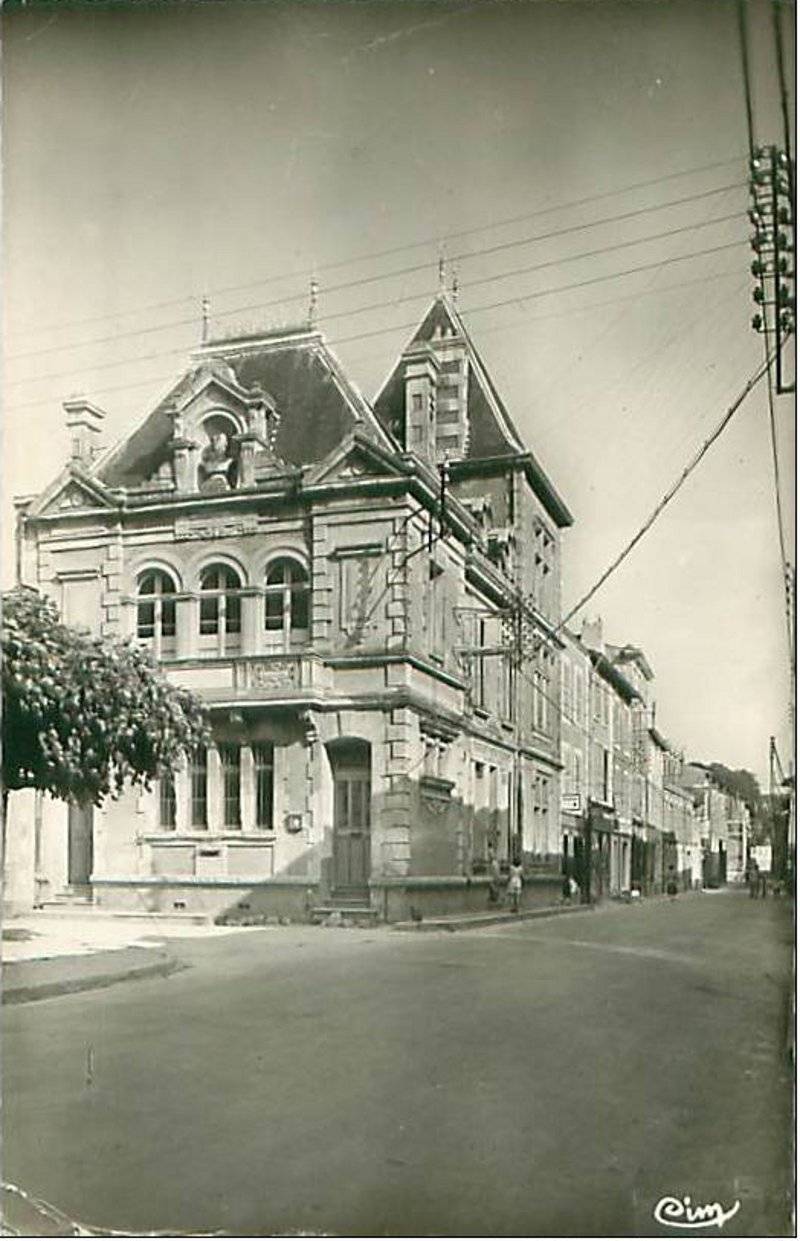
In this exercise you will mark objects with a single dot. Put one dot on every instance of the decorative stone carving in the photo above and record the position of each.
(217, 464)
(73, 497)
(215, 528)
(274, 674)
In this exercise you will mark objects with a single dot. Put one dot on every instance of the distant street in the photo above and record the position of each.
(556, 1077)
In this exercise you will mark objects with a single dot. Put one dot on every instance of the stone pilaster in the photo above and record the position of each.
(248, 789)
(183, 798)
(322, 570)
(252, 623)
(215, 791)
(187, 621)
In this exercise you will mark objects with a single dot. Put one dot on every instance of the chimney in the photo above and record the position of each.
(421, 372)
(592, 633)
(85, 424)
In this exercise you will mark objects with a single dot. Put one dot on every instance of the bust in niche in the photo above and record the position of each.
(217, 470)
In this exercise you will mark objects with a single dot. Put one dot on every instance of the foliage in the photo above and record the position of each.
(740, 783)
(82, 715)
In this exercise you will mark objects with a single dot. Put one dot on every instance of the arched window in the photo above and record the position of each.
(286, 602)
(155, 604)
(220, 602)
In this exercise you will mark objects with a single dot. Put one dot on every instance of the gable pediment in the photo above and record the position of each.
(72, 492)
(356, 458)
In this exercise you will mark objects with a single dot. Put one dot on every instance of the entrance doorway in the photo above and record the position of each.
(80, 848)
(352, 797)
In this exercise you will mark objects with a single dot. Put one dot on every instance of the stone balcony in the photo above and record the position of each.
(278, 677)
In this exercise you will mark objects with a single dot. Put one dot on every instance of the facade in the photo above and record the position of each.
(336, 579)
(680, 823)
(627, 818)
(576, 672)
(738, 839)
(597, 766)
(711, 814)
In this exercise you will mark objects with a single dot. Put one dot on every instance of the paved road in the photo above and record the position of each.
(549, 1078)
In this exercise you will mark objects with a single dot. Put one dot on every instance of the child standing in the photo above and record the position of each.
(515, 885)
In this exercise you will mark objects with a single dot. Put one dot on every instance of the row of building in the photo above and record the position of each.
(367, 594)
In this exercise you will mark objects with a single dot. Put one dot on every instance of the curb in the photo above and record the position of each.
(465, 922)
(28, 989)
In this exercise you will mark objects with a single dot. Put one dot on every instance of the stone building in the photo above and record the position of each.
(623, 801)
(598, 765)
(680, 824)
(336, 579)
(711, 815)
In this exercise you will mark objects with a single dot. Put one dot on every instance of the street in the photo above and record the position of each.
(556, 1077)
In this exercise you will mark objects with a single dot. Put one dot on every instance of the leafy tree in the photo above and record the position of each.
(83, 715)
(740, 783)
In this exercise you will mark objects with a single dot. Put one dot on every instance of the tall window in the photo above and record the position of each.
(480, 666)
(198, 775)
(220, 602)
(166, 802)
(566, 688)
(155, 605)
(264, 763)
(231, 785)
(540, 711)
(577, 772)
(507, 687)
(437, 609)
(286, 598)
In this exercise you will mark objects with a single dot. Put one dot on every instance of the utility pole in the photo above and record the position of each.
(771, 213)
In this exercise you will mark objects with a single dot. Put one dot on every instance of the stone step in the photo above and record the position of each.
(351, 913)
(58, 909)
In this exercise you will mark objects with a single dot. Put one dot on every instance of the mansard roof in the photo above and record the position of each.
(318, 405)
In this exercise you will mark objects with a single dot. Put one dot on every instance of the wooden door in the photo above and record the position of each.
(352, 796)
(80, 860)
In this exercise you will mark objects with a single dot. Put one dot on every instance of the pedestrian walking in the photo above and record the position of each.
(515, 885)
(672, 886)
(752, 877)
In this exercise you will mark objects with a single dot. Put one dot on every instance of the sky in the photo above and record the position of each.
(581, 166)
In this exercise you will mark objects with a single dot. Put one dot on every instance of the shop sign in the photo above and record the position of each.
(571, 803)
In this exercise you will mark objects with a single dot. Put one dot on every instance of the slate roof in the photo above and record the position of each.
(491, 430)
(492, 433)
(317, 404)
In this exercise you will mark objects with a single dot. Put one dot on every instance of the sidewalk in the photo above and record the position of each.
(45, 956)
(460, 922)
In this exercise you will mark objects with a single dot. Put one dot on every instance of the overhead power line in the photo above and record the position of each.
(404, 271)
(413, 297)
(398, 249)
(698, 456)
(517, 300)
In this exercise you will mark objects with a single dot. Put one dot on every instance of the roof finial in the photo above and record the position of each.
(442, 271)
(313, 301)
(454, 287)
(206, 309)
